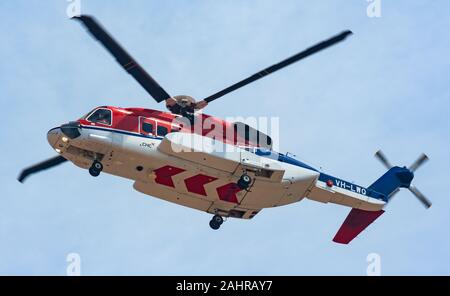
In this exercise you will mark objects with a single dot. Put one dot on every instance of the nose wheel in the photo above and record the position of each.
(95, 168)
(215, 222)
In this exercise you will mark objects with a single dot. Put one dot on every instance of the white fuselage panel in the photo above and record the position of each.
(198, 179)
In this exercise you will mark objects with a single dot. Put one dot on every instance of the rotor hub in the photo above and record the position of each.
(184, 101)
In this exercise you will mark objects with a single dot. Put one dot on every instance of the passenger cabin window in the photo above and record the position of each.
(102, 116)
(147, 127)
(162, 130)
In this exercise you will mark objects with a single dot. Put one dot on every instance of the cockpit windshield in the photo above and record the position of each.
(103, 116)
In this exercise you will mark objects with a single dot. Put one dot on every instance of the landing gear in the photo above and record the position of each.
(95, 168)
(244, 182)
(215, 222)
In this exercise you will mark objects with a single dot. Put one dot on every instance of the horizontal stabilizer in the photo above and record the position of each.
(356, 221)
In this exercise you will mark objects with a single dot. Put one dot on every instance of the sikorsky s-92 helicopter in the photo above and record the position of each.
(160, 152)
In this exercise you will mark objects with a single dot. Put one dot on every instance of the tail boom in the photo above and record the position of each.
(367, 203)
(329, 189)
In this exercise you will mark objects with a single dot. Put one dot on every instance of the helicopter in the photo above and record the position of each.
(226, 169)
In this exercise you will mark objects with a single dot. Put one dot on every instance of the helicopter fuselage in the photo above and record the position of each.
(141, 145)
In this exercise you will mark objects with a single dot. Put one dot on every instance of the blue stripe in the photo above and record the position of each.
(293, 161)
(353, 187)
(122, 132)
(281, 158)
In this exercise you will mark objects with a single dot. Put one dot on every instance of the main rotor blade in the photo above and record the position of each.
(124, 59)
(381, 157)
(420, 196)
(301, 55)
(47, 164)
(421, 160)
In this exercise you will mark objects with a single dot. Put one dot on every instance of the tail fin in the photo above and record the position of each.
(395, 178)
(354, 224)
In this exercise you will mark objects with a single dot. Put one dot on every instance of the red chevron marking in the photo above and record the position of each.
(164, 175)
(195, 184)
(228, 192)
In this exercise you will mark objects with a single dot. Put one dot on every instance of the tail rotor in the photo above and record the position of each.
(412, 168)
(420, 161)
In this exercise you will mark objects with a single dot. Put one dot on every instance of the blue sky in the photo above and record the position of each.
(385, 87)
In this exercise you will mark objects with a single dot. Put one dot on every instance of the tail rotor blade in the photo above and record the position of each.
(381, 157)
(47, 164)
(420, 196)
(420, 161)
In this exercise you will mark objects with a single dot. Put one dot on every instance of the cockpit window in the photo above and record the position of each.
(102, 116)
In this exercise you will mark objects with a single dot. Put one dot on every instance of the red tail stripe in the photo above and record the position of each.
(356, 221)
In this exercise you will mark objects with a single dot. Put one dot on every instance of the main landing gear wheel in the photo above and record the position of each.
(215, 222)
(244, 182)
(95, 168)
